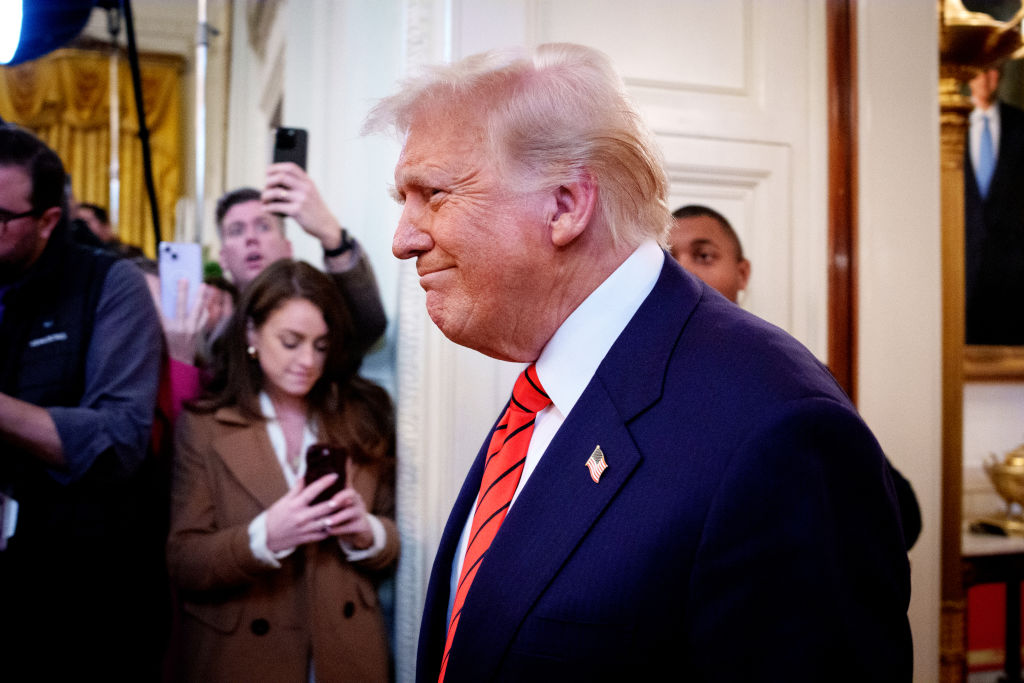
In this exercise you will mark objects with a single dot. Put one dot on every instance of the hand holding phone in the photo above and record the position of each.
(179, 261)
(323, 459)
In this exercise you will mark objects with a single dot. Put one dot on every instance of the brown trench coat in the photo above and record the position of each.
(244, 621)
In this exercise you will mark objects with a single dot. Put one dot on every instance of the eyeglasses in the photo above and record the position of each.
(6, 216)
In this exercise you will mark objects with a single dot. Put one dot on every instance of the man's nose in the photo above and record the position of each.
(410, 239)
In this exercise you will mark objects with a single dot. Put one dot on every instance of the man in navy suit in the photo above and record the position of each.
(994, 217)
(744, 525)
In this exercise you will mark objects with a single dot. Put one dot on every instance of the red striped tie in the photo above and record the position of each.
(506, 455)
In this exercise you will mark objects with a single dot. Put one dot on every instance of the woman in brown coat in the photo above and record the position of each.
(275, 586)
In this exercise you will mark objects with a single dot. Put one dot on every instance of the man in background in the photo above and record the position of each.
(80, 350)
(250, 224)
(703, 242)
(994, 217)
(97, 220)
(676, 485)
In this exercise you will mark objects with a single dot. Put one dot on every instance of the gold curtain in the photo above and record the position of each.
(64, 99)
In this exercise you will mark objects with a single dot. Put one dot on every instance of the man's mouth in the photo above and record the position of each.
(424, 271)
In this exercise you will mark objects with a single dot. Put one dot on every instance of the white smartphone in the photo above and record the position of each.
(179, 261)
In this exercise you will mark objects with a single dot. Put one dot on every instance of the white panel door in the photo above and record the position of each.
(735, 93)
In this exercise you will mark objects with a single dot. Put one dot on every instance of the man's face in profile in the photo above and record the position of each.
(701, 246)
(251, 239)
(22, 239)
(477, 239)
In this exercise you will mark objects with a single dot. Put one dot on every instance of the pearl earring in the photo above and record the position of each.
(252, 352)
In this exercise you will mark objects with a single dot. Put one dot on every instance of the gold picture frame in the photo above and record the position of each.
(994, 363)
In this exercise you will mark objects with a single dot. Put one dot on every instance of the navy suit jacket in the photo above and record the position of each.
(745, 529)
(994, 240)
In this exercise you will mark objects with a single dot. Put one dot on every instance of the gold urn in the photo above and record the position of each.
(1008, 476)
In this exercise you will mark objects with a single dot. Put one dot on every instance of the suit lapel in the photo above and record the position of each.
(248, 455)
(560, 502)
(970, 181)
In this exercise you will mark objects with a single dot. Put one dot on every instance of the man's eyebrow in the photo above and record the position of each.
(395, 194)
(422, 175)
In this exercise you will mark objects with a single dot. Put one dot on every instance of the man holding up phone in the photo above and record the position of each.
(251, 228)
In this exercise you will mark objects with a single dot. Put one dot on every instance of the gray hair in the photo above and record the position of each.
(551, 119)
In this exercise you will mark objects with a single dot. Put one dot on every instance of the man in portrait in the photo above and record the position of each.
(994, 217)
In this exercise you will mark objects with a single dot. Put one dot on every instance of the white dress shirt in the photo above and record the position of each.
(572, 355)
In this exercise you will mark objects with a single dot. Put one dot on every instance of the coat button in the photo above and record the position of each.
(349, 609)
(259, 627)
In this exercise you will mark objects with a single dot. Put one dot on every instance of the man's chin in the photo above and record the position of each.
(248, 274)
(442, 319)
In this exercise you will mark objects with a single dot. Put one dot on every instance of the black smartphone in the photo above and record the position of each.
(290, 145)
(324, 459)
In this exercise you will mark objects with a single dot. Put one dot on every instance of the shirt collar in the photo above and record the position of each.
(992, 113)
(572, 355)
(277, 441)
(267, 407)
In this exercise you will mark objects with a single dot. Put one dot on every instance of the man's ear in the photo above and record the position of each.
(743, 268)
(574, 208)
(48, 221)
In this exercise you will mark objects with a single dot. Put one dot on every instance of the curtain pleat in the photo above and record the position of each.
(64, 98)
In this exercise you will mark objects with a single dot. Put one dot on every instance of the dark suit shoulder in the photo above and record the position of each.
(740, 352)
(1008, 112)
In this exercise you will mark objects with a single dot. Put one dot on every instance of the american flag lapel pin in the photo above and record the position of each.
(597, 464)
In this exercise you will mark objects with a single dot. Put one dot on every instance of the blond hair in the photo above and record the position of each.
(549, 120)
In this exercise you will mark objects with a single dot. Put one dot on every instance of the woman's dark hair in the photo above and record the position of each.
(349, 410)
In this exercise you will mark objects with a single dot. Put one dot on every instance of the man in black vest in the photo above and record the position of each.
(80, 347)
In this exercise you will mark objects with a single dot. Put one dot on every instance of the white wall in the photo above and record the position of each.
(900, 273)
(341, 57)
